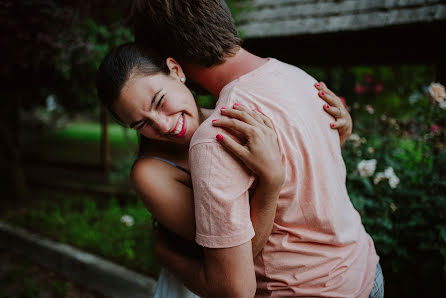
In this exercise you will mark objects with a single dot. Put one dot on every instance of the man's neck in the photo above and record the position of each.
(216, 77)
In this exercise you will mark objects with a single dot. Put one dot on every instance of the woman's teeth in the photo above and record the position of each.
(179, 127)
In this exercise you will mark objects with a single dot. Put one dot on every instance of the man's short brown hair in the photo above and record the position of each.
(192, 31)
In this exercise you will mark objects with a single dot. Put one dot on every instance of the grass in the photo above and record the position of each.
(82, 131)
(94, 225)
(79, 143)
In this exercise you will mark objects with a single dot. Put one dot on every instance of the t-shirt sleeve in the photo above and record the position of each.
(221, 197)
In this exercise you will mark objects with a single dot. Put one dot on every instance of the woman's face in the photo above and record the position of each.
(159, 106)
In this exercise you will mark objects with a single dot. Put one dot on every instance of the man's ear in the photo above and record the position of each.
(175, 69)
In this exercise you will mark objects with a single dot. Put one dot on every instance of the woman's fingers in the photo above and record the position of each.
(325, 89)
(251, 113)
(336, 108)
(230, 144)
(234, 124)
(336, 112)
(240, 113)
(338, 123)
(250, 123)
(327, 95)
(265, 119)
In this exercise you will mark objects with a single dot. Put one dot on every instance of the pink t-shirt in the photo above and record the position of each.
(318, 245)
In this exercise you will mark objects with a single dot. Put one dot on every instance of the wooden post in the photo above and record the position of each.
(105, 142)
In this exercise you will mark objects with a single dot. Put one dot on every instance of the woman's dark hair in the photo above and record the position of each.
(117, 67)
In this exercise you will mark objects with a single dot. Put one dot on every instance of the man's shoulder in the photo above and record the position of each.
(206, 133)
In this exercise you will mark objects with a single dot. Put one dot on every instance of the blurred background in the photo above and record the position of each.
(65, 164)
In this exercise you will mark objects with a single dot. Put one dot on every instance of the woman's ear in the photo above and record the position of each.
(175, 69)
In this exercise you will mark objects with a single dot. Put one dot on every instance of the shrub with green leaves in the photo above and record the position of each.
(121, 233)
(397, 180)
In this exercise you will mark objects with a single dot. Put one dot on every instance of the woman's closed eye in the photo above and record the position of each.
(159, 101)
(141, 125)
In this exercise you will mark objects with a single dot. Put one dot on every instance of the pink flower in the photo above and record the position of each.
(369, 109)
(378, 88)
(435, 128)
(359, 89)
(368, 78)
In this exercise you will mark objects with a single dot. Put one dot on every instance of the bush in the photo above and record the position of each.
(121, 233)
(397, 182)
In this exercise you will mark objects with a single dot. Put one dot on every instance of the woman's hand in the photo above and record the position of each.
(259, 150)
(336, 108)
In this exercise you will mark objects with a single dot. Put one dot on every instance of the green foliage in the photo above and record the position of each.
(77, 66)
(96, 226)
(406, 221)
(84, 131)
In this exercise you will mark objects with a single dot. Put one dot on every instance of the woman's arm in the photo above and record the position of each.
(261, 154)
(167, 194)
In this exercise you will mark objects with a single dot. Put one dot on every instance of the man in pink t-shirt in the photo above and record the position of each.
(318, 246)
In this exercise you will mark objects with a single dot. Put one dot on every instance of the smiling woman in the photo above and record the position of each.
(148, 93)
(159, 106)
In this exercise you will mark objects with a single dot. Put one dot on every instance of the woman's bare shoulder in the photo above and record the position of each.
(149, 171)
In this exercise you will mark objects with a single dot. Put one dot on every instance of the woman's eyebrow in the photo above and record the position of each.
(133, 124)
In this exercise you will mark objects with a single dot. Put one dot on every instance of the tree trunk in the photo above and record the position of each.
(9, 140)
(105, 142)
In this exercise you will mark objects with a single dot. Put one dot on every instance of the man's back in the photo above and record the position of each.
(318, 245)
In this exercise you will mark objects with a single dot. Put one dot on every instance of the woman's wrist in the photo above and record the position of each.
(272, 182)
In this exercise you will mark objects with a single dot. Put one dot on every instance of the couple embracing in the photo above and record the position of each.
(251, 196)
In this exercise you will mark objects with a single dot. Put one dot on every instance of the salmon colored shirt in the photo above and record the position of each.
(318, 246)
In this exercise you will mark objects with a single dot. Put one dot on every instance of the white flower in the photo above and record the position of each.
(393, 207)
(127, 220)
(437, 92)
(442, 105)
(388, 174)
(370, 109)
(366, 168)
(371, 150)
(379, 176)
(394, 181)
(355, 139)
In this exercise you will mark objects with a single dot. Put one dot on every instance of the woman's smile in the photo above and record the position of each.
(180, 128)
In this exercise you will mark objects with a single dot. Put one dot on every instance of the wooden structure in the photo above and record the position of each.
(339, 32)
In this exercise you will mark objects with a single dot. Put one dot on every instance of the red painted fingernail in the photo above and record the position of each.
(317, 84)
(322, 93)
(223, 108)
(219, 137)
(327, 107)
(332, 125)
(214, 120)
(236, 104)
